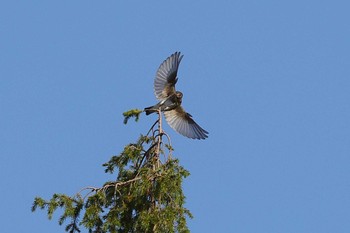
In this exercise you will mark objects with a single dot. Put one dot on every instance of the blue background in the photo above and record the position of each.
(268, 79)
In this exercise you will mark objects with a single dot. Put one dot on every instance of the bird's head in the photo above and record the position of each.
(179, 96)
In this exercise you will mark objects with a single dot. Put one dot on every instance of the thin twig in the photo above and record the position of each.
(159, 137)
(157, 134)
(151, 129)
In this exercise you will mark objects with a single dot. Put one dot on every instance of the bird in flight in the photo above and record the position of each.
(170, 100)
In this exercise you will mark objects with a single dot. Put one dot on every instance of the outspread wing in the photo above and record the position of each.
(183, 123)
(166, 77)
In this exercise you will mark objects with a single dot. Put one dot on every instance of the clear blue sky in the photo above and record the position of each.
(270, 81)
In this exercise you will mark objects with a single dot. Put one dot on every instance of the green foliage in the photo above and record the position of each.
(146, 196)
(132, 113)
(72, 208)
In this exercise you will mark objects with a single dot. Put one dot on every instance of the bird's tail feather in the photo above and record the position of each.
(150, 110)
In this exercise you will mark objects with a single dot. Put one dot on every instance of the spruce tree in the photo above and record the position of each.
(145, 196)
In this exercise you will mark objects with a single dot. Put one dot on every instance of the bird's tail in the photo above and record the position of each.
(150, 110)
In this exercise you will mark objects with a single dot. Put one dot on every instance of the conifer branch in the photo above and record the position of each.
(146, 196)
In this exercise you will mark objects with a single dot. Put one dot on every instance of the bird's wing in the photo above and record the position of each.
(166, 77)
(183, 123)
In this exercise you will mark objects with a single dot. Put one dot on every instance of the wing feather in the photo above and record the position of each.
(183, 123)
(166, 76)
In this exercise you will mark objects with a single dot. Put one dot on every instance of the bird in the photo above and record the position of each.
(170, 100)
